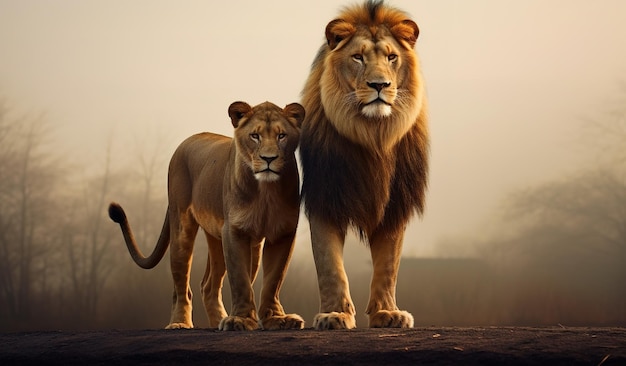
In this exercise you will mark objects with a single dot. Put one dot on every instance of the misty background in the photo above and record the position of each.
(526, 211)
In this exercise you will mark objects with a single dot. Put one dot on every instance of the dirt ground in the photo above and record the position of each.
(419, 346)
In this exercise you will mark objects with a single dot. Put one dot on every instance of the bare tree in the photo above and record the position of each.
(590, 204)
(28, 176)
(87, 238)
(567, 238)
(56, 241)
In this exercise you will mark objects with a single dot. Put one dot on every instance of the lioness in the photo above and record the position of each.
(364, 152)
(239, 191)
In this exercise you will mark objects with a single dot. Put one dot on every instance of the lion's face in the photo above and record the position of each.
(370, 81)
(266, 136)
(370, 71)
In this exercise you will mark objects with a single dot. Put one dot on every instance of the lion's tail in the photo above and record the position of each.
(117, 214)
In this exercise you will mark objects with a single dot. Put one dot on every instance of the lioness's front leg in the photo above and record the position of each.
(336, 307)
(386, 248)
(238, 255)
(276, 255)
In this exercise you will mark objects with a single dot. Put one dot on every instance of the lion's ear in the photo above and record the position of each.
(295, 111)
(237, 111)
(338, 30)
(407, 30)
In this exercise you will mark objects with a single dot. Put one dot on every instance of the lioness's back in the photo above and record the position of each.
(200, 158)
(197, 148)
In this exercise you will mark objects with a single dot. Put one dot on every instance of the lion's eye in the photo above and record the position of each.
(255, 137)
(392, 58)
(357, 57)
(282, 136)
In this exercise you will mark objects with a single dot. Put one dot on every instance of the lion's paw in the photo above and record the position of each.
(238, 323)
(334, 320)
(287, 321)
(391, 319)
(179, 326)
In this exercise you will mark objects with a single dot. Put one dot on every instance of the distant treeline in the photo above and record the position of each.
(556, 253)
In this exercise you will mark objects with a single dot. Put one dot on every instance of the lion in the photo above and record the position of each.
(240, 191)
(364, 150)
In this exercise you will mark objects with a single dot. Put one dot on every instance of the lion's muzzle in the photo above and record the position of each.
(379, 86)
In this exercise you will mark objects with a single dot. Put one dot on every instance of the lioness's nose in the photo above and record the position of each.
(378, 86)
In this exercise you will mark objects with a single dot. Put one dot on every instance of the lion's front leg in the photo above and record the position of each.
(276, 255)
(336, 306)
(382, 309)
(238, 256)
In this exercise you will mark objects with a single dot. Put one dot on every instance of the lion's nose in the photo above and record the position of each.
(378, 86)
(269, 159)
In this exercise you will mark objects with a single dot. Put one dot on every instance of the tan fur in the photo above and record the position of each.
(240, 191)
(364, 152)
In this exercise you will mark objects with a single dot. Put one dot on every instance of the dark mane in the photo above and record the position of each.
(335, 169)
(373, 7)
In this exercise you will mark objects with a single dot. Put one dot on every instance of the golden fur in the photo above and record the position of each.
(239, 191)
(364, 152)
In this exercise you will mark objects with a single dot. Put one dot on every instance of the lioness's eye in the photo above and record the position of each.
(357, 57)
(254, 136)
(392, 57)
(282, 136)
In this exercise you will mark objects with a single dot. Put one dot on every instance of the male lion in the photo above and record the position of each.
(364, 153)
(238, 191)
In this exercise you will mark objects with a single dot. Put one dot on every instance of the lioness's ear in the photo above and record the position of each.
(337, 31)
(407, 31)
(237, 111)
(295, 111)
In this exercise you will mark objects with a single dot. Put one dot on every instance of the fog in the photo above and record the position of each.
(527, 126)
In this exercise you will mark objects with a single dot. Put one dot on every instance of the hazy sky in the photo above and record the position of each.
(509, 82)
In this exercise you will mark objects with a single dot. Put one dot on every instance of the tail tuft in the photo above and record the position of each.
(116, 213)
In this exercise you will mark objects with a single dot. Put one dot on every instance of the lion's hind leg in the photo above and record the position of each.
(276, 257)
(213, 281)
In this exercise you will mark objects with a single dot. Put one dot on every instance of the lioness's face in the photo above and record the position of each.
(267, 136)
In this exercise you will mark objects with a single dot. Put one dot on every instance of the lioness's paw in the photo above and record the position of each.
(287, 321)
(334, 320)
(179, 326)
(238, 323)
(391, 319)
